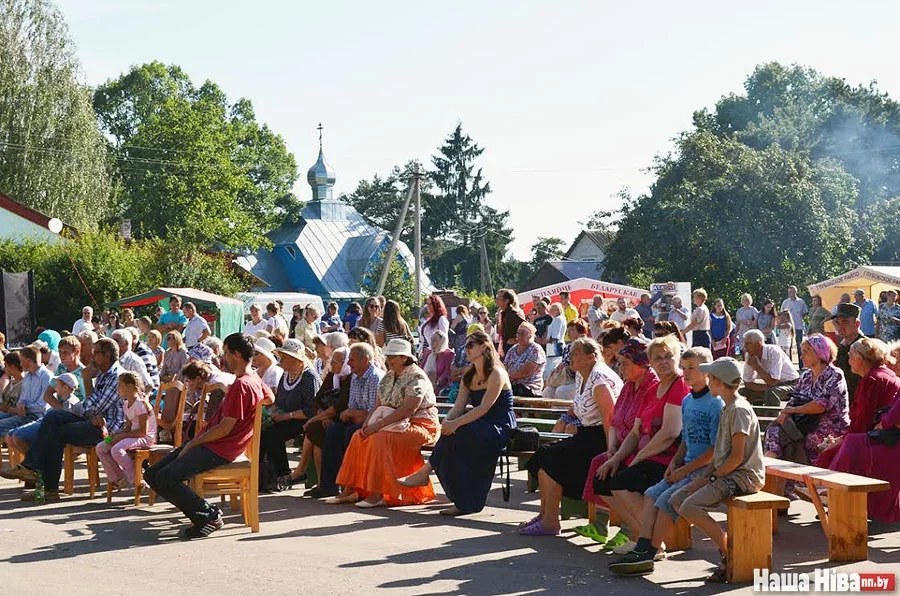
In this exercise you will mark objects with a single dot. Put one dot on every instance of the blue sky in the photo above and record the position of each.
(571, 100)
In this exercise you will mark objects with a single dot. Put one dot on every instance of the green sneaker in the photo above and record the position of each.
(616, 541)
(591, 531)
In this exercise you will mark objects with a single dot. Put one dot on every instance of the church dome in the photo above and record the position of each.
(320, 174)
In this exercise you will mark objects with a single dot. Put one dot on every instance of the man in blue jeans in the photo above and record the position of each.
(363, 397)
(102, 408)
(224, 439)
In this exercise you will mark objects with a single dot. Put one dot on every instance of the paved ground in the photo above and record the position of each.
(78, 546)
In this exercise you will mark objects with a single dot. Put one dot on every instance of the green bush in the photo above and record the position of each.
(112, 268)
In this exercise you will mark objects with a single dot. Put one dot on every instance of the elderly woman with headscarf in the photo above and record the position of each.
(817, 408)
(294, 405)
(266, 364)
(389, 444)
(332, 399)
(439, 362)
(324, 345)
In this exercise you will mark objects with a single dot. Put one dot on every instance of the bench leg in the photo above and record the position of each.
(848, 529)
(680, 537)
(749, 542)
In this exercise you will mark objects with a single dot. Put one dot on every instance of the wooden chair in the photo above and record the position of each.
(238, 478)
(93, 466)
(202, 405)
(157, 451)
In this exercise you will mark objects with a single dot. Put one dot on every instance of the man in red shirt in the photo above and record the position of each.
(224, 439)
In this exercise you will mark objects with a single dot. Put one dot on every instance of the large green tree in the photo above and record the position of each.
(733, 219)
(52, 157)
(455, 216)
(192, 164)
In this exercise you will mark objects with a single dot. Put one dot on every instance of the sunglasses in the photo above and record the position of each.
(471, 344)
(371, 306)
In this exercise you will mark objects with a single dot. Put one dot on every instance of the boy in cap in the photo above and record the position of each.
(737, 466)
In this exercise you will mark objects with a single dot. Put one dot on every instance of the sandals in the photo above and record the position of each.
(529, 522)
(591, 531)
(538, 529)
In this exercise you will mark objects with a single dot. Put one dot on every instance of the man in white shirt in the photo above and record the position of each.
(769, 375)
(128, 360)
(798, 309)
(596, 316)
(257, 322)
(197, 329)
(623, 311)
(84, 323)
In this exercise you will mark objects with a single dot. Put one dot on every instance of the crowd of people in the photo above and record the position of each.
(657, 428)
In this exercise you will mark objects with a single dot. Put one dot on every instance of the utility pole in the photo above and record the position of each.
(487, 284)
(418, 240)
(398, 229)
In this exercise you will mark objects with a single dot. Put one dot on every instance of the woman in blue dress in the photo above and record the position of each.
(465, 457)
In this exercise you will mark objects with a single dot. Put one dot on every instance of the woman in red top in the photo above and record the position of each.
(877, 388)
(654, 438)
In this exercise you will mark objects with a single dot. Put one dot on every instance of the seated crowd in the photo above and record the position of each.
(656, 430)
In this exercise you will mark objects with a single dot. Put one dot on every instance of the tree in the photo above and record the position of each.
(460, 192)
(53, 157)
(399, 285)
(733, 219)
(545, 249)
(193, 165)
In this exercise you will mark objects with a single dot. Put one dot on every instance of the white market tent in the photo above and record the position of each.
(871, 279)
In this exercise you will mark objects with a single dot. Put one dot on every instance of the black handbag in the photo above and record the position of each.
(524, 438)
(805, 423)
(885, 436)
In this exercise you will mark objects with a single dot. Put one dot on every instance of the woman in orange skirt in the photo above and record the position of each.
(389, 444)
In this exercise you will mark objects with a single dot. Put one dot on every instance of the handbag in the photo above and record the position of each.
(560, 376)
(885, 436)
(382, 412)
(524, 438)
(805, 423)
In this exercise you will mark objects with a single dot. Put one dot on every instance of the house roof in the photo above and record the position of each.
(565, 270)
(32, 215)
(601, 238)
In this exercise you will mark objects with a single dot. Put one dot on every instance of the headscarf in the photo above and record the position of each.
(345, 371)
(821, 345)
(635, 349)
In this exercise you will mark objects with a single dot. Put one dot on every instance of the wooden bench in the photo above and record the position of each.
(846, 520)
(750, 528)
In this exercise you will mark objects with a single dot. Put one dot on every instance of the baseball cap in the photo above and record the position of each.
(69, 379)
(724, 369)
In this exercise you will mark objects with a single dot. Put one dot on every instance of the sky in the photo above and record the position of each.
(570, 100)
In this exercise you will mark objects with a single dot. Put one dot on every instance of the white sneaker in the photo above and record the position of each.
(625, 548)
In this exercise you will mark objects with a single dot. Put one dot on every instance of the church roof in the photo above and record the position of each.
(333, 243)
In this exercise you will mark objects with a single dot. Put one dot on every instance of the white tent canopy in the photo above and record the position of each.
(870, 279)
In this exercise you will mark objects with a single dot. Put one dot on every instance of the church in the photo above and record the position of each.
(331, 253)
